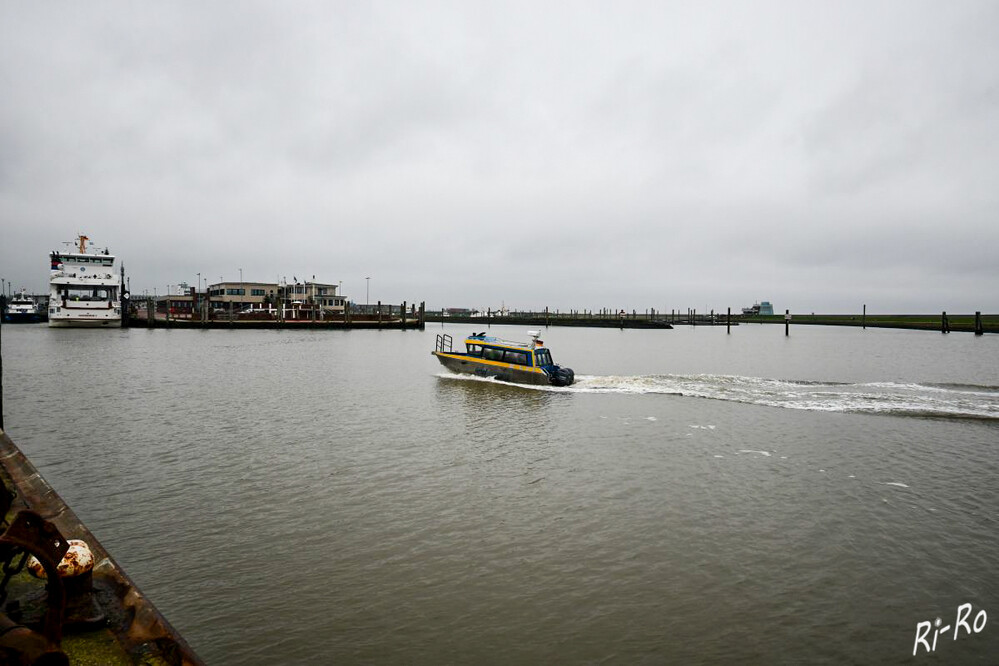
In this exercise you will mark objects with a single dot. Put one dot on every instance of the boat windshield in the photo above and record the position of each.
(543, 357)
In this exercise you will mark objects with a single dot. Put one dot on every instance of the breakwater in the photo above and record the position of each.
(946, 323)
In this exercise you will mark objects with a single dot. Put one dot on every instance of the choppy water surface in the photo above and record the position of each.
(696, 497)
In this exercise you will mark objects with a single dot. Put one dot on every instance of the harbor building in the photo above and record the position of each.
(243, 295)
(321, 294)
(763, 309)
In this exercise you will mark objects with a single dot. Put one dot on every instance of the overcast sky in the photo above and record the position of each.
(572, 154)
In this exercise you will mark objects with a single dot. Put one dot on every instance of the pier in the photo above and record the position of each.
(96, 616)
(144, 314)
(977, 323)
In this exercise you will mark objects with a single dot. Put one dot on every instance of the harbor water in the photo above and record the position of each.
(303, 497)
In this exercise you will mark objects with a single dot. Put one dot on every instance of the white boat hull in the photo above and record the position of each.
(84, 322)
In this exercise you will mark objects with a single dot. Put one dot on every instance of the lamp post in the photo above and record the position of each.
(367, 291)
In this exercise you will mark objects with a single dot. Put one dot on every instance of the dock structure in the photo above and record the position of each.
(605, 318)
(95, 615)
(145, 314)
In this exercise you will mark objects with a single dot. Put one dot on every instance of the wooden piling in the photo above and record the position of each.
(787, 323)
(944, 322)
(863, 319)
(728, 322)
(3, 304)
(979, 330)
(402, 313)
(380, 316)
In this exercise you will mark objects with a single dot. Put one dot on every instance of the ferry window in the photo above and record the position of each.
(543, 357)
(492, 353)
(475, 350)
(518, 357)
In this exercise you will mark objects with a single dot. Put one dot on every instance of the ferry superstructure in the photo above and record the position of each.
(83, 289)
(486, 356)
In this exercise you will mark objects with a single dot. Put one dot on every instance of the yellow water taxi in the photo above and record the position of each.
(486, 356)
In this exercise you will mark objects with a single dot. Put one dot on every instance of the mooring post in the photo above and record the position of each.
(423, 315)
(944, 323)
(787, 323)
(978, 324)
(728, 322)
(380, 317)
(489, 317)
(151, 311)
(863, 319)
(546, 316)
(693, 317)
(402, 313)
(3, 303)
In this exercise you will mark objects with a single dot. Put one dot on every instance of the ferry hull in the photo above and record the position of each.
(468, 365)
(84, 323)
(22, 318)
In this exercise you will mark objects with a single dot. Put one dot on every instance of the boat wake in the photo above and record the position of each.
(926, 400)
(901, 399)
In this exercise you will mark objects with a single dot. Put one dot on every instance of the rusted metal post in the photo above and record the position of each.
(2, 299)
(979, 330)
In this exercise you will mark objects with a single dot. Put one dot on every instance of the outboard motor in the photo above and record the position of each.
(562, 376)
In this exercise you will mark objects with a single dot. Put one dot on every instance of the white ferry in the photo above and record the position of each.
(83, 289)
(21, 309)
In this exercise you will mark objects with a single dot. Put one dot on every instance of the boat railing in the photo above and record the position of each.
(443, 340)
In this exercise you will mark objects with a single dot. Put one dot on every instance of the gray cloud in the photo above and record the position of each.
(577, 156)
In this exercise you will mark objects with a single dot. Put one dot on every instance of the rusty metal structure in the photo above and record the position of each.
(61, 609)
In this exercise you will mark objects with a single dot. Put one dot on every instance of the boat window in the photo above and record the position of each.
(543, 357)
(492, 353)
(474, 350)
(87, 293)
(517, 357)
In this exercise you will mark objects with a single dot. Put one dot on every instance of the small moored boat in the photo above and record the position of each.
(507, 361)
(21, 309)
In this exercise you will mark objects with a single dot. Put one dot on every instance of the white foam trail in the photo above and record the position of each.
(896, 398)
(895, 483)
(762, 453)
(892, 398)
